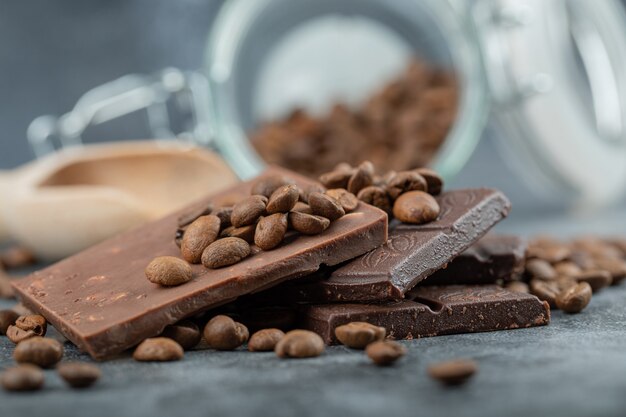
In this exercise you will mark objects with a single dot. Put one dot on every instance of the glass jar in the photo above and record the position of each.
(551, 76)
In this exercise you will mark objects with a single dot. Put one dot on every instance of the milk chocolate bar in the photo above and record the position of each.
(101, 300)
(434, 311)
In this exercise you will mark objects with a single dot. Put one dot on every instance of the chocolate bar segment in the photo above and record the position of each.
(101, 300)
(434, 311)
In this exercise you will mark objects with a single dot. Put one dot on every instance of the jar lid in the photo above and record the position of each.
(557, 76)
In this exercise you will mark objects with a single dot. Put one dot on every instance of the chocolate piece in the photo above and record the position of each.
(434, 311)
(101, 300)
(493, 258)
(412, 253)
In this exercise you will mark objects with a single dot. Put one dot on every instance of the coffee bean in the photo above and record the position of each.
(7, 318)
(79, 374)
(248, 211)
(225, 252)
(336, 179)
(575, 298)
(22, 378)
(361, 178)
(517, 286)
(158, 349)
(615, 267)
(200, 234)
(186, 333)
(17, 257)
(416, 207)
(40, 351)
(265, 340)
(375, 196)
(301, 207)
(385, 352)
(168, 271)
(270, 231)
(308, 224)
(551, 253)
(455, 372)
(311, 188)
(619, 243)
(405, 181)
(300, 344)
(545, 290)
(538, 268)
(325, 206)
(596, 278)
(348, 201)
(244, 232)
(267, 185)
(223, 213)
(567, 268)
(193, 215)
(224, 333)
(357, 335)
(26, 327)
(178, 238)
(582, 259)
(433, 180)
(283, 199)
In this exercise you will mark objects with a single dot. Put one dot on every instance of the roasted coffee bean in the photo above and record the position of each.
(375, 196)
(545, 290)
(325, 206)
(406, 181)
(7, 318)
(200, 234)
(79, 374)
(433, 180)
(34, 324)
(267, 185)
(301, 207)
(553, 253)
(224, 333)
(283, 199)
(348, 201)
(16, 335)
(538, 268)
(300, 344)
(244, 232)
(158, 349)
(517, 286)
(385, 352)
(248, 211)
(596, 278)
(16, 257)
(575, 298)
(168, 271)
(615, 267)
(361, 178)
(311, 188)
(416, 207)
(455, 372)
(358, 334)
(582, 259)
(223, 213)
(40, 351)
(225, 252)
(619, 243)
(270, 231)
(178, 238)
(567, 268)
(190, 217)
(186, 333)
(22, 378)
(336, 179)
(265, 340)
(308, 224)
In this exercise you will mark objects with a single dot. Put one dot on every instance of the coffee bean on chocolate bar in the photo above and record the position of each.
(358, 334)
(433, 180)
(16, 257)
(567, 268)
(361, 178)
(223, 213)
(517, 286)
(306, 191)
(188, 218)
(538, 268)
(575, 298)
(244, 232)
(596, 278)
(336, 179)
(325, 206)
(267, 185)
(7, 318)
(40, 351)
(22, 378)
(225, 252)
(224, 333)
(348, 201)
(301, 207)
(158, 349)
(300, 344)
(178, 237)
(270, 231)
(416, 207)
(385, 352)
(405, 181)
(248, 211)
(375, 196)
(308, 224)
(200, 234)
(283, 199)
(168, 271)
(545, 290)
(186, 333)
(265, 340)
(454, 372)
(79, 374)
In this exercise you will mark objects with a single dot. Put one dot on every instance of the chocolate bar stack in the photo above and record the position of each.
(363, 267)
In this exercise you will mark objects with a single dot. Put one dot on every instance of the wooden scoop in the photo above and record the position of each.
(73, 199)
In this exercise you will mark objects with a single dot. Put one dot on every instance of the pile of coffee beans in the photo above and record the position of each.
(405, 195)
(400, 127)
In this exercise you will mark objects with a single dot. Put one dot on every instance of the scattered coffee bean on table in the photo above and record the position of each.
(158, 349)
(7, 318)
(300, 344)
(24, 377)
(265, 340)
(40, 351)
(186, 333)
(358, 334)
(26, 327)
(385, 352)
(224, 333)
(79, 374)
(16, 257)
(168, 271)
(454, 372)
(575, 298)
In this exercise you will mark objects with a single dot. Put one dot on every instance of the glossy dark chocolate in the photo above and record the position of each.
(101, 300)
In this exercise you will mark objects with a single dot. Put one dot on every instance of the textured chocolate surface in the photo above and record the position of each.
(493, 258)
(412, 253)
(101, 300)
(434, 311)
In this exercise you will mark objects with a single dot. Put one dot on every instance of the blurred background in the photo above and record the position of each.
(52, 52)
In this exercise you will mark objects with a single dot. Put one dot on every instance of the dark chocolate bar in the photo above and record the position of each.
(434, 311)
(101, 300)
